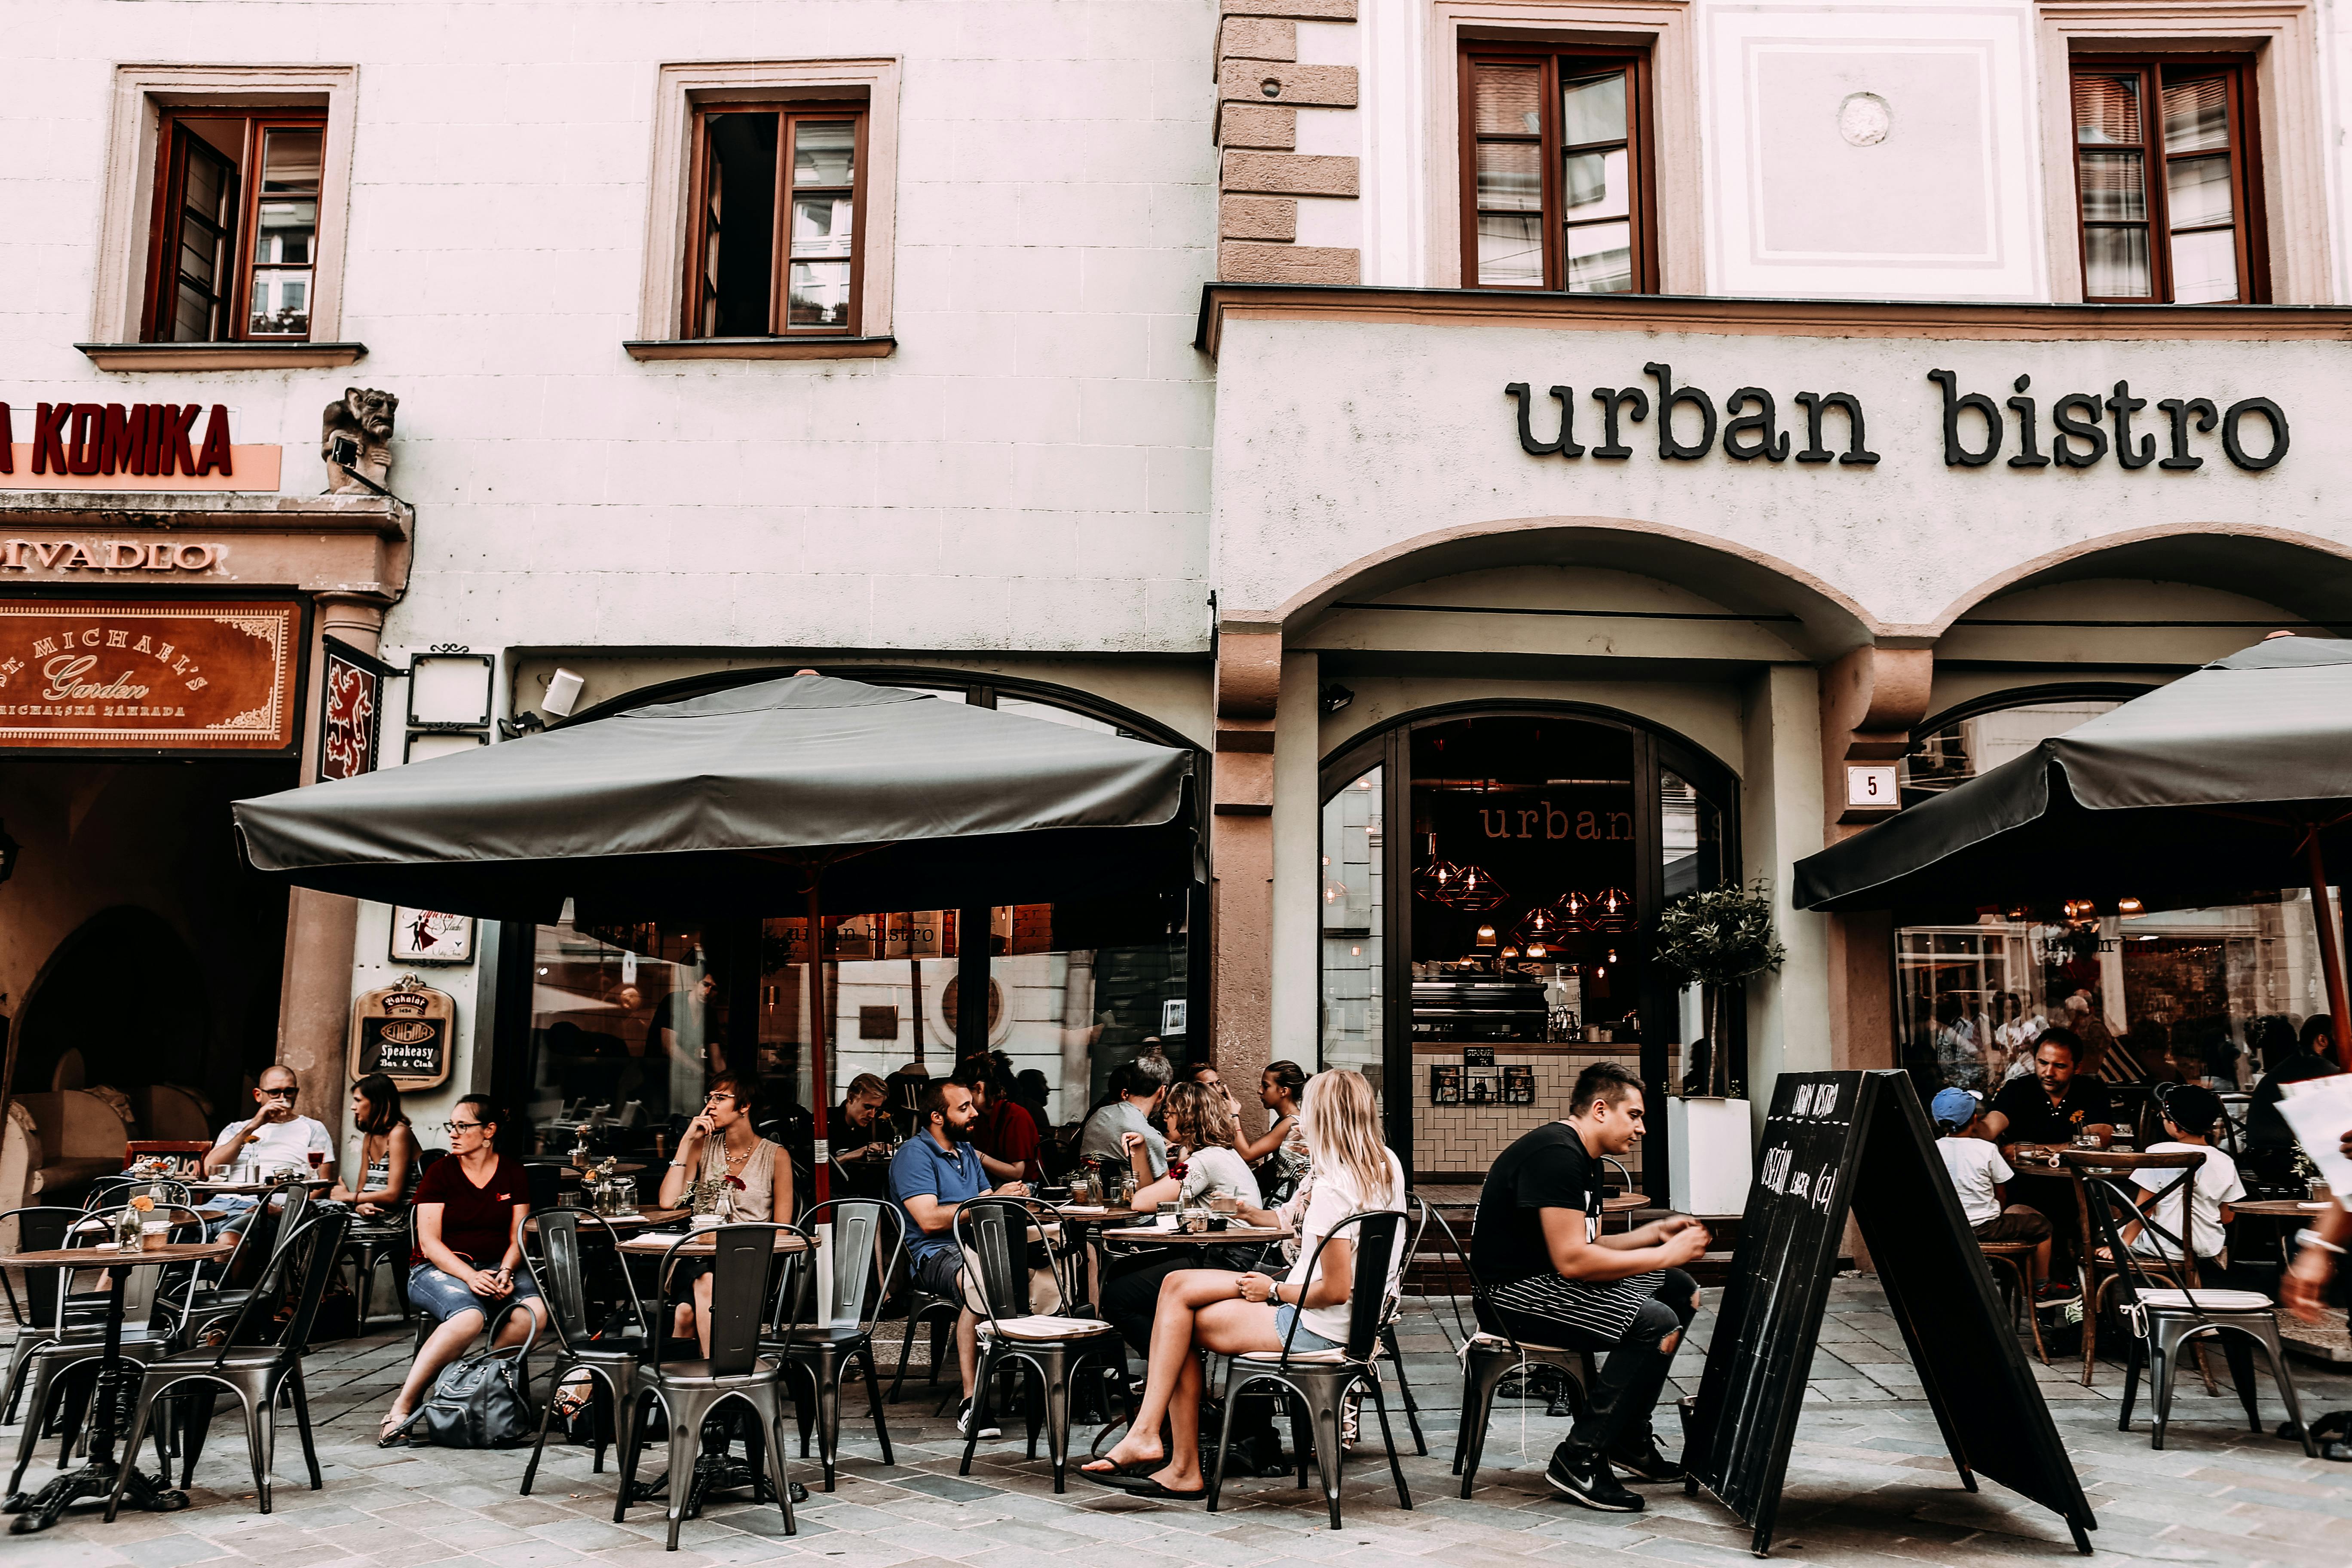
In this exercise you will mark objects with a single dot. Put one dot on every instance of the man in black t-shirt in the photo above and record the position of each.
(1549, 1276)
(2050, 1107)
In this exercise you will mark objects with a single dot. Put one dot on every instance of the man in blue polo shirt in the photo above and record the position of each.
(936, 1170)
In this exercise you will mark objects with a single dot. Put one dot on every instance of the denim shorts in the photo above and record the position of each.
(441, 1297)
(1307, 1340)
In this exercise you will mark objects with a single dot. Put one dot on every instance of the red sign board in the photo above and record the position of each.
(349, 719)
(213, 675)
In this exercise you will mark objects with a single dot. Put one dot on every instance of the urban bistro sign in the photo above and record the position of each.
(148, 675)
(130, 446)
(2082, 429)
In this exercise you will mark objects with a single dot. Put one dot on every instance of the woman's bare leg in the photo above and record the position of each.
(441, 1347)
(702, 1313)
(1226, 1325)
(1181, 1296)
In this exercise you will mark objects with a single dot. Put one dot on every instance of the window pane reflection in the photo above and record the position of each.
(1600, 259)
(1510, 248)
(2115, 264)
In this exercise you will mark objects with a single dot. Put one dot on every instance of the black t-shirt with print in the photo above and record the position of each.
(1546, 1168)
(2032, 1119)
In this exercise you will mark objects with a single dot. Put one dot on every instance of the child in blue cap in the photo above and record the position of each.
(1978, 1173)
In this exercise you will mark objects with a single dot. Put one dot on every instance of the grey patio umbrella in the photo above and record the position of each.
(2235, 780)
(798, 796)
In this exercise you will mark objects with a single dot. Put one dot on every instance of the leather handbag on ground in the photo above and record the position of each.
(482, 1401)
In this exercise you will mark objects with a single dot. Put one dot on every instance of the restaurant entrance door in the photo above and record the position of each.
(1492, 877)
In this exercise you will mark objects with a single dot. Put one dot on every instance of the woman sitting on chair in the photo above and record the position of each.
(468, 1258)
(1212, 1309)
(741, 1178)
(387, 1150)
(1201, 1122)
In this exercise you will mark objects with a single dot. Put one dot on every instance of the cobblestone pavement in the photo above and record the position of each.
(1868, 1484)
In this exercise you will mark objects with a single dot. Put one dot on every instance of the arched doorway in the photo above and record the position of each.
(129, 1034)
(1491, 877)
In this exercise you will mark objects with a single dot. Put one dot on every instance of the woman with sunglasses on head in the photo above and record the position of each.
(467, 1264)
(725, 1155)
(387, 1149)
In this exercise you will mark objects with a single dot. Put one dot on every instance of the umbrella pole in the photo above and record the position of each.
(2331, 957)
(821, 1153)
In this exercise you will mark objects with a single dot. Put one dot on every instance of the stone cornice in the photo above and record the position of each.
(138, 511)
(1221, 303)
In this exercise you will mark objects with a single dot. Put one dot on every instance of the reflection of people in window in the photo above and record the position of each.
(680, 1031)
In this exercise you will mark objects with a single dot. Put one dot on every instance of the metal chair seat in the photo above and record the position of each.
(2207, 1302)
(1044, 1328)
(699, 1373)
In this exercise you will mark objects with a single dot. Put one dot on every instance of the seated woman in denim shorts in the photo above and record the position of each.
(467, 1263)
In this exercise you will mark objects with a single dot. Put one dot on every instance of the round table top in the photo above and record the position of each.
(1097, 1214)
(109, 1257)
(2127, 1160)
(2283, 1209)
(1232, 1236)
(701, 1245)
(253, 1189)
(646, 1214)
(1625, 1203)
(620, 1168)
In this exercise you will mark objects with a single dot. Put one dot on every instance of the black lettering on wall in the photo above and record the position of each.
(1816, 403)
(2177, 410)
(1956, 455)
(2085, 430)
(1771, 442)
(1610, 399)
(2121, 406)
(1566, 445)
(2229, 443)
(2028, 456)
(1670, 398)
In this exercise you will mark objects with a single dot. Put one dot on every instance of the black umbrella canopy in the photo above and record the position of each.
(722, 804)
(2200, 793)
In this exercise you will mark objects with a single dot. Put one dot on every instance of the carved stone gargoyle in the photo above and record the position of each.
(360, 424)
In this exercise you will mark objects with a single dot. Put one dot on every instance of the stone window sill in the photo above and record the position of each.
(221, 356)
(810, 347)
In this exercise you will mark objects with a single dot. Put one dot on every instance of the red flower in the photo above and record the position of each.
(735, 1183)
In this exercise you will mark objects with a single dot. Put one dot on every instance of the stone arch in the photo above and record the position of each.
(126, 990)
(2300, 573)
(1827, 622)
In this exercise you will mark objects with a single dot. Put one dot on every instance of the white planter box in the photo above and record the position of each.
(1710, 1161)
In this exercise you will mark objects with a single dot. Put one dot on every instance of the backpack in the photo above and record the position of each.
(483, 1400)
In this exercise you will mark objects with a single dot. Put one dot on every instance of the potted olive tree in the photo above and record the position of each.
(1716, 938)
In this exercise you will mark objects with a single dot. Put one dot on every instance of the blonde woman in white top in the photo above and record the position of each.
(1212, 1309)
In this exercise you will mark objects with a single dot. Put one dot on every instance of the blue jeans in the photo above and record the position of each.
(442, 1297)
(1308, 1339)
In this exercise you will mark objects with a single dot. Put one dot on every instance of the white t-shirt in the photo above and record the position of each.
(280, 1145)
(2215, 1184)
(1213, 1170)
(1975, 1166)
(1334, 1199)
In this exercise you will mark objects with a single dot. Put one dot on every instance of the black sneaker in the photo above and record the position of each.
(1643, 1462)
(963, 1423)
(1583, 1476)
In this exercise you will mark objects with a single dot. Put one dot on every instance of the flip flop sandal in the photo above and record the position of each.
(1130, 1478)
(1160, 1493)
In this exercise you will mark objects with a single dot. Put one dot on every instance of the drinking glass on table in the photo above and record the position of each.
(318, 1159)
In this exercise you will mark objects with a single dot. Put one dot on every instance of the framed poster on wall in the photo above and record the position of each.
(428, 936)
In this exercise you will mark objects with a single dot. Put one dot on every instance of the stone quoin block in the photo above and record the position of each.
(1288, 174)
(1247, 261)
(1257, 217)
(1257, 38)
(1260, 125)
(1278, 81)
(1304, 10)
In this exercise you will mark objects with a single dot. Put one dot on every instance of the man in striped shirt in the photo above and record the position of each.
(1552, 1278)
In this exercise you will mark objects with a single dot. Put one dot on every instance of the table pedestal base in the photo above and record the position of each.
(38, 1511)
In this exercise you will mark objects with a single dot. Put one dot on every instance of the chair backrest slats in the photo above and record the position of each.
(1377, 1235)
(742, 1257)
(860, 1226)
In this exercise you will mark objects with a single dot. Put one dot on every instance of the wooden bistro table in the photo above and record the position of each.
(252, 1189)
(96, 1477)
(1232, 1235)
(645, 1215)
(702, 1246)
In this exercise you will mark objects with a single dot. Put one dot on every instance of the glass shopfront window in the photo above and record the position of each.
(2169, 994)
(1473, 966)
(628, 1021)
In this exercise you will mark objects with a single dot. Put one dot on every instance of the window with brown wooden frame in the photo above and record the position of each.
(1556, 180)
(2168, 181)
(236, 226)
(773, 227)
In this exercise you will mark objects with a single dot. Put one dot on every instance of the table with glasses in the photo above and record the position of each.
(96, 1477)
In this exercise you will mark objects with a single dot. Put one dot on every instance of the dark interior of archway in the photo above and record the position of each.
(176, 981)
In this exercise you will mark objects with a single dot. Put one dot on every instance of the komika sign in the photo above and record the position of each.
(84, 439)
(2085, 428)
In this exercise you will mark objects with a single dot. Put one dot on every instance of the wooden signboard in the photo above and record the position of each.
(1858, 1142)
(149, 674)
(402, 1032)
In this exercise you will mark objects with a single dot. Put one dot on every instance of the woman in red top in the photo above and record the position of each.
(468, 1258)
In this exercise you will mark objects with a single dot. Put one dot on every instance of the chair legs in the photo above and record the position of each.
(1054, 1367)
(874, 1400)
(618, 1385)
(2171, 1336)
(1482, 1377)
(687, 1409)
(921, 1310)
(1396, 1460)
(1405, 1389)
(259, 1403)
(1321, 1397)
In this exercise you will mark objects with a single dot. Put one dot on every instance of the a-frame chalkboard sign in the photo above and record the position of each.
(1858, 1140)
